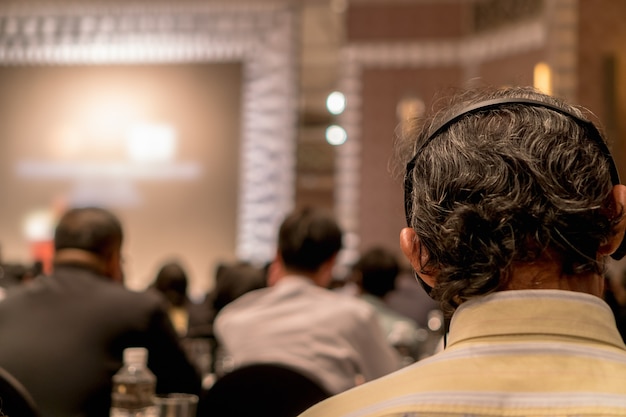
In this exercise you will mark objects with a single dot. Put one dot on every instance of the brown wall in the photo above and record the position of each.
(512, 70)
(381, 199)
(602, 39)
(396, 21)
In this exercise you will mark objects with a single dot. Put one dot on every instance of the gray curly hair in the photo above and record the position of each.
(514, 183)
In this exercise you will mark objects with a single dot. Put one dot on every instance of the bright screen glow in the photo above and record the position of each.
(151, 142)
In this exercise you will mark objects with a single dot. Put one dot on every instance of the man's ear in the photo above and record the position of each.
(324, 274)
(275, 271)
(617, 205)
(113, 267)
(415, 253)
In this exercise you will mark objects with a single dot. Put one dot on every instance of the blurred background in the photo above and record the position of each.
(201, 123)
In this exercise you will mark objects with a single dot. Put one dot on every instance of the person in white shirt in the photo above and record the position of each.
(296, 321)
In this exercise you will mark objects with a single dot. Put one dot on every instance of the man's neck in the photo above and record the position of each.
(548, 275)
(317, 278)
(79, 257)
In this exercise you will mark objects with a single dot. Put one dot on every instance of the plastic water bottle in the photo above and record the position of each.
(133, 386)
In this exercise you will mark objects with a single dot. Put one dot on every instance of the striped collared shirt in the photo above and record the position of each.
(513, 353)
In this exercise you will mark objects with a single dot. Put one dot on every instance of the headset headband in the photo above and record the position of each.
(592, 133)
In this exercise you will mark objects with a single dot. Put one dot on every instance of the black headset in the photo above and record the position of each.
(590, 129)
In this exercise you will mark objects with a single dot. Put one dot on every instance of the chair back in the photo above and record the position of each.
(261, 390)
(15, 400)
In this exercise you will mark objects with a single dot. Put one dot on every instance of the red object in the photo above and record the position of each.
(43, 251)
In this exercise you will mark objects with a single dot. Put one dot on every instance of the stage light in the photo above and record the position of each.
(336, 135)
(336, 102)
(38, 225)
(542, 78)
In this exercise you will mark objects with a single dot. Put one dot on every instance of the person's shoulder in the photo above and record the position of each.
(26, 291)
(348, 306)
(148, 296)
(372, 397)
(355, 304)
(123, 297)
(244, 304)
(251, 298)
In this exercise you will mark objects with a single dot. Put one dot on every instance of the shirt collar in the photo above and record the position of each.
(535, 312)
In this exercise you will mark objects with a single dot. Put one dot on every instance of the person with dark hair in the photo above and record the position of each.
(63, 335)
(171, 281)
(377, 270)
(234, 280)
(513, 207)
(90, 238)
(297, 321)
(375, 275)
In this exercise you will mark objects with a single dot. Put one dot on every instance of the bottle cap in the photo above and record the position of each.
(136, 355)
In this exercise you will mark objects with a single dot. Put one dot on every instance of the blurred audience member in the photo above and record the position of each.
(375, 274)
(63, 335)
(191, 321)
(231, 282)
(15, 274)
(410, 299)
(234, 280)
(171, 281)
(298, 322)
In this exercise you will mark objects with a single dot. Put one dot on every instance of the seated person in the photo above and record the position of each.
(375, 275)
(232, 280)
(63, 335)
(171, 281)
(297, 321)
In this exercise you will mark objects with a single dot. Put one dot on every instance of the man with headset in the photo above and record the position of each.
(513, 205)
